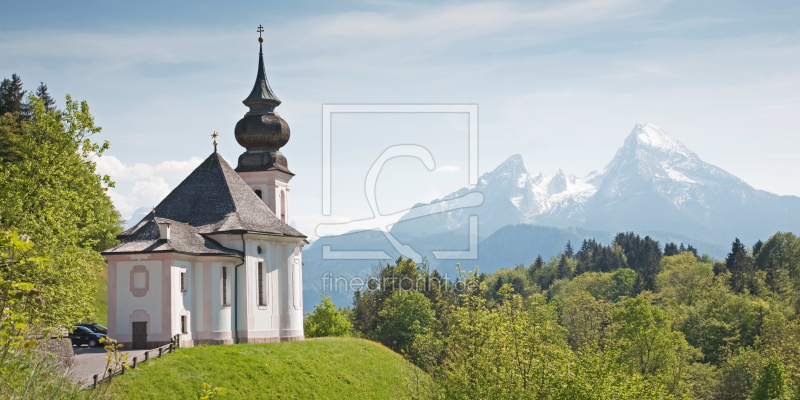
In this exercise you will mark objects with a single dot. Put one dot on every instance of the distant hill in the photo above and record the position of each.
(325, 368)
(505, 248)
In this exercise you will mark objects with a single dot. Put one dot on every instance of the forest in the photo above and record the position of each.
(628, 320)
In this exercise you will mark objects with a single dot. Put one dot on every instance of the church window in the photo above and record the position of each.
(184, 328)
(184, 286)
(225, 286)
(261, 298)
(258, 193)
(283, 207)
(139, 280)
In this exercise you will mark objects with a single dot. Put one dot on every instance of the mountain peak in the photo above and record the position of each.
(651, 137)
(513, 163)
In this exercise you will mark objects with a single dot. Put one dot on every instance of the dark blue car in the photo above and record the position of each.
(96, 328)
(83, 335)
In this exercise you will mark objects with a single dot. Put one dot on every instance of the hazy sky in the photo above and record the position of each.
(561, 83)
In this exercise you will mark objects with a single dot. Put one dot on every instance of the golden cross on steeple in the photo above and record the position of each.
(259, 30)
(214, 135)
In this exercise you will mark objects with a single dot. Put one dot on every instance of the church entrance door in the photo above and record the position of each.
(139, 335)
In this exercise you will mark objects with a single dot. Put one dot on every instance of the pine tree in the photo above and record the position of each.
(757, 248)
(568, 250)
(12, 97)
(42, 94)
(740, 266)
(563, 270)
(671, 250)
(692, 250)
(537, 264)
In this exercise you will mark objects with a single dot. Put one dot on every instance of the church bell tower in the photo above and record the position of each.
(263, 132)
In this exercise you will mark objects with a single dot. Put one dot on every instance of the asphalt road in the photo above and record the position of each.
(90, 361)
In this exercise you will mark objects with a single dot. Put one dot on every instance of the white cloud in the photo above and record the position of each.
(143, 185)
(113, 167)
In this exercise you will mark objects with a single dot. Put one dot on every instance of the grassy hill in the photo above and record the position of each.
(325, 368)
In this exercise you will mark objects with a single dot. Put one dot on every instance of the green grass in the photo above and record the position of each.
(325, 368)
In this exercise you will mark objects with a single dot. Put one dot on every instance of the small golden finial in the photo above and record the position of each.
(154, 210)
(260, 29)
(214, 135)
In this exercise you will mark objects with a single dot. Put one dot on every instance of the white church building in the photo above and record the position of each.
(216, 262)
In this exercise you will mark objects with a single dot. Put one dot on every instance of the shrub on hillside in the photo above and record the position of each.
(326, 320)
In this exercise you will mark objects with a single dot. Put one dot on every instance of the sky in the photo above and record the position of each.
(561, 83)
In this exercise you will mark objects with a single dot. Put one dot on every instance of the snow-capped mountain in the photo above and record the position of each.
(653, 183)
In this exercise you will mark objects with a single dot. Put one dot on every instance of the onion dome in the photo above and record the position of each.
(262, 131)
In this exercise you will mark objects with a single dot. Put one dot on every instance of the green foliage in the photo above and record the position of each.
(648, 346)
(407, 314)
(742, 270)
(518, 350)
(326, 320)
(683, 279)
(588, 321)
(607, 286)
(779, 259)
(25, 370)
(53, 194)
(209, 392)
(771, 384)
(624, 279)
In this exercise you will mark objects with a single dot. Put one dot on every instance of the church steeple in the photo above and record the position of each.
(263, 132)
(262, 96)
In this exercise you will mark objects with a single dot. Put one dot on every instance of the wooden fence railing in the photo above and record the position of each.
(108, 375)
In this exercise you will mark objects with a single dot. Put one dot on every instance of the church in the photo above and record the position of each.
(216, 262)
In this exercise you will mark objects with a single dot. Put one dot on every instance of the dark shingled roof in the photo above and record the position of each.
(212, 199)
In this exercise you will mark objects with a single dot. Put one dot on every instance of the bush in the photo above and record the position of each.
(326, 320)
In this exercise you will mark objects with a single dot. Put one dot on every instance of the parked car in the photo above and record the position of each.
(96, 328)
(83, 335)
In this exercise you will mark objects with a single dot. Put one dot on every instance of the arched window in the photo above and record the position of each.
(258, 193)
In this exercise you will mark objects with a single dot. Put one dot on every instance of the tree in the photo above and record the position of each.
(647, 344)
(564, 270)
(53, 194)
(683, 280)
(610, 258)
(740, 266)
(671, 249)
(624, 279)
(44, 96)
(326, 320)
(779, 257)
(771, 384)
(12, 97)
(757, 248)
(692, 250)
(568, 250)
(535, 267)
(406, 315)
(587, 320)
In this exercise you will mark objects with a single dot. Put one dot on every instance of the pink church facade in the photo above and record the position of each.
(216, 262)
